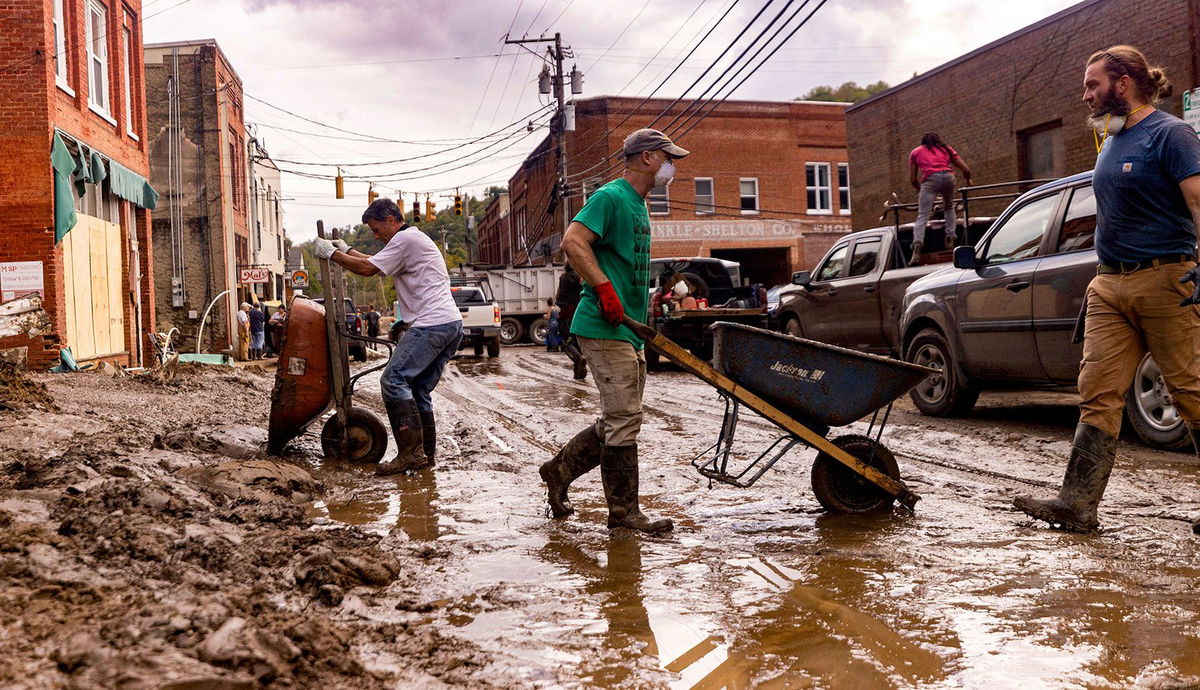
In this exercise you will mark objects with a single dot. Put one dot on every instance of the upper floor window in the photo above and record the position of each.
(816, 177)
(97, 42)
(60, 45)
(659, 201)
(705, 201)
(844, 189)
(748, 188)
(127, 67)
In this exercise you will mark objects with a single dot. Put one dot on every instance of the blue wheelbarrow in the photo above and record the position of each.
(805, 388)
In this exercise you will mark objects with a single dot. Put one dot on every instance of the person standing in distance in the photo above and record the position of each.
(1147, 188)
(418, 270)
(934, 160)
(608, 244)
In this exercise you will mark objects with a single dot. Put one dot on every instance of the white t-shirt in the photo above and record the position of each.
(422, 282)
(243, 317)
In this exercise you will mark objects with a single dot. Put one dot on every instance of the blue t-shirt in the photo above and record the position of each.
(257, 319)
(1140, 211)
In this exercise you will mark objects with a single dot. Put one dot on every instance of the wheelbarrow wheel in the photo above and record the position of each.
(840, 489)
(368, 437)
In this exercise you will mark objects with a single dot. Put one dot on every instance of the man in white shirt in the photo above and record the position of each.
(423, 293)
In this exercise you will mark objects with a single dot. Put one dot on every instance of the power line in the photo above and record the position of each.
(483, 96)
(399, 61)
(560, 16)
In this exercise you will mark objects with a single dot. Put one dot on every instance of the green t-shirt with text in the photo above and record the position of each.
(617, 214)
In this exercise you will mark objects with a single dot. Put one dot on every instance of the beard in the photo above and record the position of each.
(1109, 105)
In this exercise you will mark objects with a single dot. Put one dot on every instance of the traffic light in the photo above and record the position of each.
(372, 195)
(416, 212)
(458, 206)
(339, 187)
(430, 211)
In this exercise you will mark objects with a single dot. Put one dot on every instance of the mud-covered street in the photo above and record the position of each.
(146, 540)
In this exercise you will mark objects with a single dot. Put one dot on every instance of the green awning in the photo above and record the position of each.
(63, 164)
(131, 186)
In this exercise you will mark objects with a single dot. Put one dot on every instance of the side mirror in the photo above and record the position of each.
(802, 278)
(964, 257)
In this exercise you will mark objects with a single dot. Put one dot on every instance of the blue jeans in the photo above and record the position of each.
(417, 363)
(257, 340)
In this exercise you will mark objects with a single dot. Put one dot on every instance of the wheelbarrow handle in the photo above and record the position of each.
(640, 329)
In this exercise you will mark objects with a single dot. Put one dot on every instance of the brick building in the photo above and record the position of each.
(75, 194)
(494, 232)
(767, 183)
(198, 159)
(268, 243)
(1013, 108)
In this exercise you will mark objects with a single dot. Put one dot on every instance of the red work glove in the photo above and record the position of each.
(611, 309)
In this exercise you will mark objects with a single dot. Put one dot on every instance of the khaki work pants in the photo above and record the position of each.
(620, 375)
(1128, 315)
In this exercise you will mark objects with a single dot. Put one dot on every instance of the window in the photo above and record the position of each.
(60, 46)
(1042, 152)
(97, 41)
(816, 176)
(589, 187)
(127, 67)
(659, 201)
(1021, 235)
(844, 189)
(749, 192)
(705, 200)
(866, 256)
(1079, 225)
(833, 267)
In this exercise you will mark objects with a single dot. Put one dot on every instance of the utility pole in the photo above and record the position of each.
(559, 85)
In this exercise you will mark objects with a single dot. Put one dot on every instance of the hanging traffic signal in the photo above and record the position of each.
(458, 206)
(339, 187)
(372, 195)
(416, 212)
(430, 211)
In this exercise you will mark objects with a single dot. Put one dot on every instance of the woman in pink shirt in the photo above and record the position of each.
(934, 162)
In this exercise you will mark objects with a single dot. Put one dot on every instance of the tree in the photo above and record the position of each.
(848, 92)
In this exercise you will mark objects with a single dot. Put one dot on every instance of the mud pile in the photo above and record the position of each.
(134, 552)
(19, 392)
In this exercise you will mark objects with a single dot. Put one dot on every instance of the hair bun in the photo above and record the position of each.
(1161, 83)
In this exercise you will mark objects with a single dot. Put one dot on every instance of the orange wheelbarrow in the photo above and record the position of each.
(314, 375)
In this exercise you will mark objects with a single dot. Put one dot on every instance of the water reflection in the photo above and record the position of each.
(410, 504)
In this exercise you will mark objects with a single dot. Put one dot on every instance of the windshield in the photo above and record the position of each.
(468, 296)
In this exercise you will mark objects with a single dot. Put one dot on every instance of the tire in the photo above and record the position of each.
(1150, 412)
(368, 437)
(358, 352)
(840, 489)
(940, 395)
(511, 331)
(791, 326)
(537, 332)
(493, 347)
(478, 348)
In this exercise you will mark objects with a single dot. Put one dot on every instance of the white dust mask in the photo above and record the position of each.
(666, 172)
(681, 289)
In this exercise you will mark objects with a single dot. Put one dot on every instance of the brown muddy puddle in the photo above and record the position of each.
(757, 587)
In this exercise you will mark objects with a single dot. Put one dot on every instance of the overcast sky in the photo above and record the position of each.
(421, 70)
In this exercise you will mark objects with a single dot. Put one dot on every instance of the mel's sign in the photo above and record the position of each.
(254, 275)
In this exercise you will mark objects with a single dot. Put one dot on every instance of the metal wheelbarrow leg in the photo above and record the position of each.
(827, 449)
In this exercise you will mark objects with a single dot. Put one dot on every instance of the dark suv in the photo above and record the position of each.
(1003, 316)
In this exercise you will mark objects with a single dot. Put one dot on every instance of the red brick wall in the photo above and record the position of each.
(31, 108)
(982, 103)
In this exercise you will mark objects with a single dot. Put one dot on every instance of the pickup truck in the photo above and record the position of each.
(853, 297)
(1003, 315)
(480, 315)
(718, 281)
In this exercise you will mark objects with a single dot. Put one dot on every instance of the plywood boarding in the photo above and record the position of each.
(92, 280)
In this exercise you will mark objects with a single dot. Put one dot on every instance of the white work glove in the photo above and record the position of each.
(323, 249)
(342, 246)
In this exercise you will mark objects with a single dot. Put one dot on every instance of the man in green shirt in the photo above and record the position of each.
(608, 243)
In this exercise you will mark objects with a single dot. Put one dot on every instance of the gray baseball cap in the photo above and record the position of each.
(652, 140)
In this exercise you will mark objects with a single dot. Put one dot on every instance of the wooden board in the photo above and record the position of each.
(92, 257)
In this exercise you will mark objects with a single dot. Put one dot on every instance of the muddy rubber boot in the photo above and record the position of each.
(1195, 434)
(619, 472)
(1092, 455)
(577, 359)
(429, 435)
(917, 248)
(410, 446)
(581, 455)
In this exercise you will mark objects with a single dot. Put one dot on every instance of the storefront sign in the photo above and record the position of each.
(19, 278)
(1191, 109)
(254, 275)
(299, 279)
(739, 229)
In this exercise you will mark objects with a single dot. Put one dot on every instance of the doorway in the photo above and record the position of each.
(769, 266)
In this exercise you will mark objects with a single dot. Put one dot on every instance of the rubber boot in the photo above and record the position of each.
(410, 446)
(917, 248)
(581, 455)
(619, 472)
(429, 435)
(1092, 455)
(577, 359)
(1195, 434)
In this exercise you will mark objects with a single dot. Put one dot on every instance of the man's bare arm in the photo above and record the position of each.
(577, 243)
(1190, 186)
(355, 262)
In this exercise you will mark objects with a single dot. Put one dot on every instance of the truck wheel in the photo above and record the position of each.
(940, 395)
(368, 437)
(792, 327)
(493, 347)
(1150, 412)
(538, 330)
(840, 489)
(478, 348)
(511, 331)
